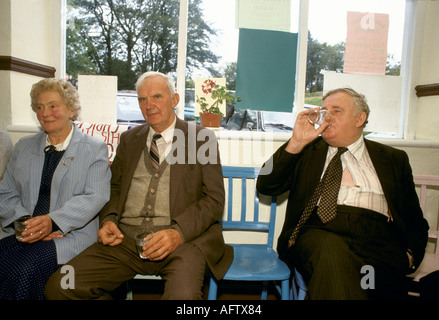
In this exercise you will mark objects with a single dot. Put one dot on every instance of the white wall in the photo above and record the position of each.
(29, 30)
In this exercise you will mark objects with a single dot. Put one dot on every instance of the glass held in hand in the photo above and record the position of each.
(141, 238)
(20, 226)
(317, 116)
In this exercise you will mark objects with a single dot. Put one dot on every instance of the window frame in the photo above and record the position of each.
(407, 121)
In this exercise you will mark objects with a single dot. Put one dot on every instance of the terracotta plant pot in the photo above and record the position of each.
(210, 119)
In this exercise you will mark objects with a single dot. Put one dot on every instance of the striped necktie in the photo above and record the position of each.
(154, 151)
(327, 189)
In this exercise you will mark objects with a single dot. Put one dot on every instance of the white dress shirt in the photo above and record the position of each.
(164, 144)
(63, 145)
(360, 185)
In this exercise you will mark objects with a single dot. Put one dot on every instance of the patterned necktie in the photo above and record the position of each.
(51, 160)
(328, 189)
(154, 151)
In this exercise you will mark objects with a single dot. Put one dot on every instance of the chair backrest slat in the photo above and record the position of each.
(245, 175)
(243, 198)
(230, 199)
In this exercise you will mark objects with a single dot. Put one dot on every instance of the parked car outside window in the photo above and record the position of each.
(128, 112)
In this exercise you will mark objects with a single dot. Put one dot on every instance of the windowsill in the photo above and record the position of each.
(396, 142)
(252, 135)
(283, 137)
(25, 128)
(268, 136)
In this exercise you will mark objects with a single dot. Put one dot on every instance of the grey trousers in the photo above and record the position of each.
(100, 269)
(355, 256)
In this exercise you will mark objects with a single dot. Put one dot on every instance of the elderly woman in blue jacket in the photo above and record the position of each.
(61, 178)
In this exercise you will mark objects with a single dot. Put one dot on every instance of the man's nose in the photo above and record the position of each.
(328, 117)
(147, 105)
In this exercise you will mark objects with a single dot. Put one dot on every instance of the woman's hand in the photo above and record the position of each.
(38, 228)
(55, 235)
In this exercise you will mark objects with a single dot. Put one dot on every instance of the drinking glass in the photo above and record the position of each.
(317, 116)
(141, 238)
(20, 226)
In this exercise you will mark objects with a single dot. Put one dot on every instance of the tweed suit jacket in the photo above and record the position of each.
(80, 188)
(196, 191)
(300, 174)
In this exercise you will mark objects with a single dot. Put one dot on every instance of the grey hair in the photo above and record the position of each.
(149, 74)
(65, 89)
(360, 101)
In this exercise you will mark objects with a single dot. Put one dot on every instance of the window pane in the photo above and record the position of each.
(127, 38)
(221, 16)
(342, 32)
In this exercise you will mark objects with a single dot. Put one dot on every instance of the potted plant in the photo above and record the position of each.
(211, 114)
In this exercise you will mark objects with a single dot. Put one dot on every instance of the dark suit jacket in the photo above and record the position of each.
(300, 175)
(196, 191)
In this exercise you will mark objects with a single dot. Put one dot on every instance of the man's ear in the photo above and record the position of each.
(361, 120)
(175, 99)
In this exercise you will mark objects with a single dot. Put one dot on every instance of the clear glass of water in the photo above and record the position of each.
(141, 238)
(20, 226)
(317, 116)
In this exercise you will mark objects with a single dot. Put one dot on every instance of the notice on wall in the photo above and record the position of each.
(366, 43)
(109, 133)
(98, 96)
(264, 14)
(383, 94)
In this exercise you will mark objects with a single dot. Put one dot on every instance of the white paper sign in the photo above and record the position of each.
(109, 133)
(383, 94)
(98, 96)
(264, 14)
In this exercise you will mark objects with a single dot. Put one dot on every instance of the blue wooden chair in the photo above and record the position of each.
(252, 262)
(298, 286)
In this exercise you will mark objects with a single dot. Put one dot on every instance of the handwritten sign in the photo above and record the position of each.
(109, 133)
(366, 43)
